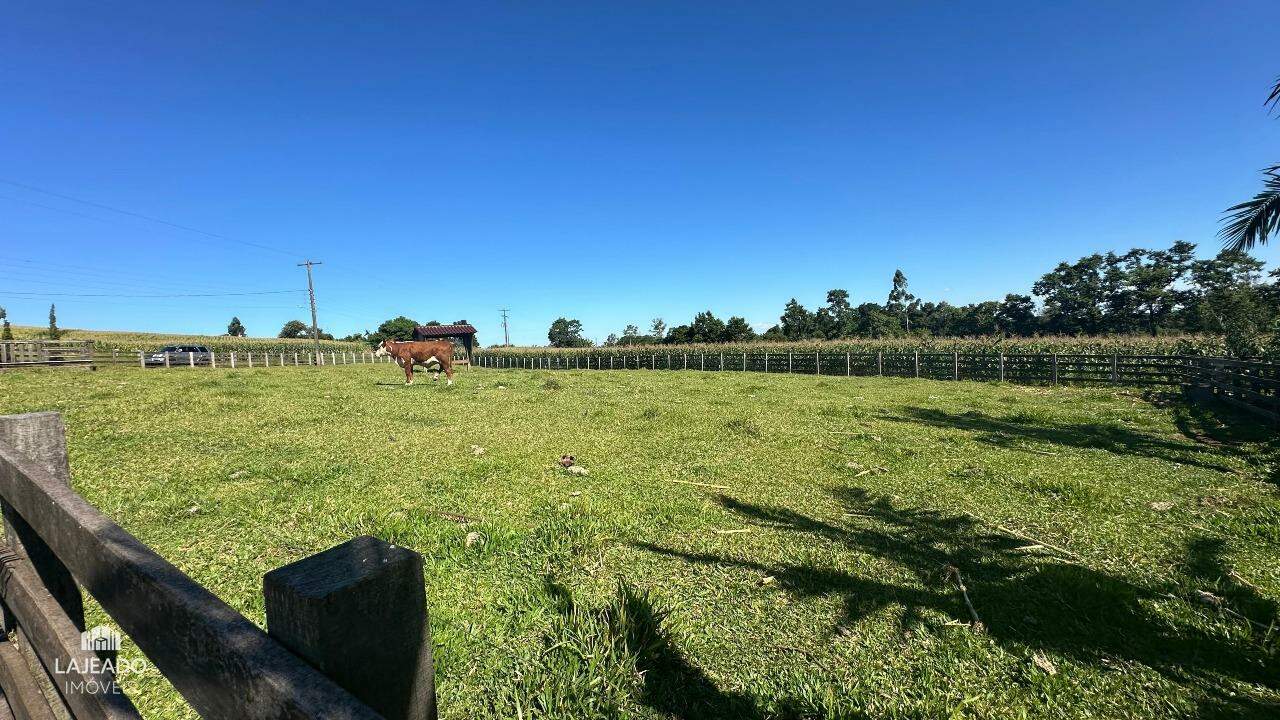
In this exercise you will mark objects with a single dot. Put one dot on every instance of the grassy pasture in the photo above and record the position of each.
(814, 584)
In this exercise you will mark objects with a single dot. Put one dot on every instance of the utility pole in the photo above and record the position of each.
(506, 337)
(311, 290)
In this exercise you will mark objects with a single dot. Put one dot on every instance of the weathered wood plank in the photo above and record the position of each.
(224, 665)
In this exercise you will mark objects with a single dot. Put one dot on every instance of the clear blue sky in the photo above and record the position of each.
(611, 162)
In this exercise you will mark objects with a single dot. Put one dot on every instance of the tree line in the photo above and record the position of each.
(1150, 291)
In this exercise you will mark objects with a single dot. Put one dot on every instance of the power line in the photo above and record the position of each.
(130, 213)
(506, 337)
(174, 295)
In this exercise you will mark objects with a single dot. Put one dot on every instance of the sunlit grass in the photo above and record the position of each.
(743, 545)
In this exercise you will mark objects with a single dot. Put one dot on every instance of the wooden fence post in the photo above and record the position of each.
(358, 613)
(702, 359)
(142, 360)
(42, 437)
(1001, 366)
(848, 364)
(1055, 368)
(955, 357)
(917, 354)
(744, 362)
(1115, 368)
(166, 359)
(880, 363)
(766, 361)
(213, 359)
(789, 358)
(233, 359)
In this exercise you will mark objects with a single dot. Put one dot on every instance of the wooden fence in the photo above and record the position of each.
(1253, 385)
(242, 359)
(324, 654)
(35, 353)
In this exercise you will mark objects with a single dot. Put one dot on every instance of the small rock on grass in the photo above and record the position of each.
(477, 450)
(474, 538)
(577, 470)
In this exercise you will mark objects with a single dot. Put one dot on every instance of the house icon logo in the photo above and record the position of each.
(100, 638)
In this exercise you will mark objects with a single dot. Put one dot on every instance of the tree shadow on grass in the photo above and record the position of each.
(1014, 431)
(1026, 601)
(1205, 419)
(671, 684)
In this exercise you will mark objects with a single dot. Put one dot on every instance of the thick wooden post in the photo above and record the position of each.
(848, 364)
(166, 359)
(1055, 368)
(766, 361)
(1115, 367)
(817, 363)
(358, 613)
(142, 360)
(789, 359)
(43, 438)
(191, 359)
(955, 356)
(880, 362)
(1002, 367)
(213, 359)
(917, 354)
(233, 359)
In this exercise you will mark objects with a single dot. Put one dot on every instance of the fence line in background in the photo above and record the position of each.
(1252, 385)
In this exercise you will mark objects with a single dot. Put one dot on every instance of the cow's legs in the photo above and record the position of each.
(448, 373)
(408, 373)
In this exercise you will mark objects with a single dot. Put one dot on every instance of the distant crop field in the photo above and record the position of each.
(743, 545)
(1200, 345)
(108, 340)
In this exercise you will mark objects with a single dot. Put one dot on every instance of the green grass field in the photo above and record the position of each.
(816, 582)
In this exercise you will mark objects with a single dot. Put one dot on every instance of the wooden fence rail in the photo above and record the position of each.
(36, 353)
(1253, 385)
(324, 654)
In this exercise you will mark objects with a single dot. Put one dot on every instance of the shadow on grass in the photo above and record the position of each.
(633, 629)
(1027, 602)
(1013, 431)
(1205, 419)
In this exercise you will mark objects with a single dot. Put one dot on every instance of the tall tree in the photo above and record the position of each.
(835, 319)
(1143, 287)
(1254, 221)
(399, 328)
(900, 299)
(294, 329)
(1017, 315)
(566, 333)
(1074, 296)
(738, 330)
(235, 328)
(707, 328)
(658, 329)
(54, 332)
(6, 333)
(796, 323)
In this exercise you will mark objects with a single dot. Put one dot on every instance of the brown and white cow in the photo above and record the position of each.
(434, 355)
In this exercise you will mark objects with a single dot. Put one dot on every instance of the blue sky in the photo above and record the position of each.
(611, 162)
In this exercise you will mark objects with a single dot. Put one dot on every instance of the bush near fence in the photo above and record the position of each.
(1196, 345)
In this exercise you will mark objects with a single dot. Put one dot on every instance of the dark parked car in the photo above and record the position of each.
(180, 355)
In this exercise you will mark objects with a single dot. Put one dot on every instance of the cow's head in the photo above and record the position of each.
(384, 349)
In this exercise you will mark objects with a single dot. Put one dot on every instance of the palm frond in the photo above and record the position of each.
(1273, 100)
(1254, 221)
